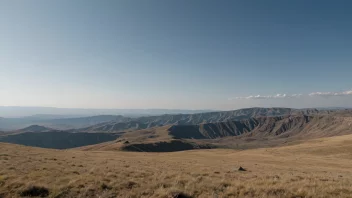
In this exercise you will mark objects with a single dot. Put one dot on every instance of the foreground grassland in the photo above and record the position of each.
(316, 168)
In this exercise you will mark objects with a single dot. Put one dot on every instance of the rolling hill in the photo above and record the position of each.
(35, 128)
(58, 123)
(300, 158)
(315, 168)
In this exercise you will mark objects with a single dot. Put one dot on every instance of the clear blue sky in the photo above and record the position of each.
(195, 54)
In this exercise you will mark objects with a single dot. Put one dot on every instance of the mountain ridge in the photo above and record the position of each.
(268, 126)
(248, 133)
(199, 118)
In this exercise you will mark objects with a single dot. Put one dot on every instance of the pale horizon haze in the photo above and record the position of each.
(199, 54)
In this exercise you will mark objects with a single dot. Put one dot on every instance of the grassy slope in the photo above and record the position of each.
(148, 140)
(316, 168)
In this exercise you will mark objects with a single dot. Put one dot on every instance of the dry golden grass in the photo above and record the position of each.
(316, 168)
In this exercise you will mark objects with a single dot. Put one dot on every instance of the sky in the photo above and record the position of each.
(198, 54)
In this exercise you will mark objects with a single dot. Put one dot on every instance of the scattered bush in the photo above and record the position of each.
(35, 191)
(105, 187)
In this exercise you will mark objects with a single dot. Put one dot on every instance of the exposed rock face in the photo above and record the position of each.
(284, 126)
(199, 118)
(177, 131)
(241, 134)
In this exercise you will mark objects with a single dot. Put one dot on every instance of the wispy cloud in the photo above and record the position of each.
(329, 94)
(278, 96)
(261, 97)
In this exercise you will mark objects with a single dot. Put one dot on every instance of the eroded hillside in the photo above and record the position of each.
(142, 134)
(247, 133)
(199, 118)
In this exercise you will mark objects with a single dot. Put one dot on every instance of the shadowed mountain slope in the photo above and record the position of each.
(264, 126)
(248, 133)
(199, 118)
(253, 131)
(281, 126)
(113, 123)
(58, 140)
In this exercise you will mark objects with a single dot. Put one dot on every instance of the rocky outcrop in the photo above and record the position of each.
(284, 126)
(196, 119)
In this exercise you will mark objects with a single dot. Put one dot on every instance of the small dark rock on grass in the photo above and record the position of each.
(179, 195)
(241, 169)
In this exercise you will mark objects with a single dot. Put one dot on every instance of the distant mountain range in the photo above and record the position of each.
(253, 123)
(7, 124)
(246, 133)
(113, 123)
(54, 113)
(198, 118)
